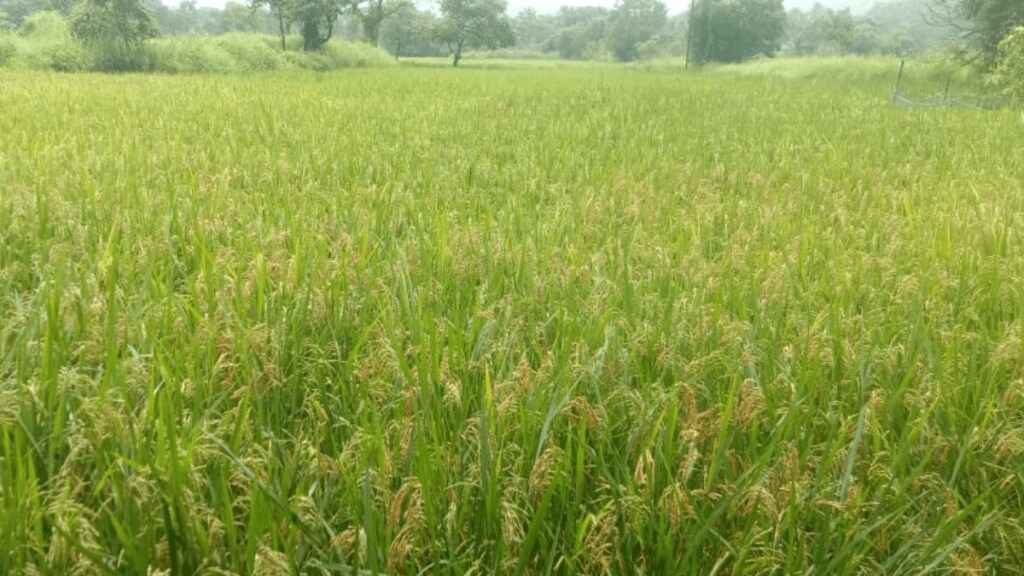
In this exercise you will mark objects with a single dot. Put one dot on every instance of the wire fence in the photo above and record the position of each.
(946, 99)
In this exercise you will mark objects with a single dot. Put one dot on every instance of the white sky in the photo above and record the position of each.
(674, 6)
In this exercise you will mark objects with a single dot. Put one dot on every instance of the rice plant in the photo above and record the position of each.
(568, 321)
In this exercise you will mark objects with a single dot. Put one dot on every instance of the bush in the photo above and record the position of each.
(239, 52)
(7, 50)
(45, 25)
(250, 53)
(191, 54)
(1009, 72)
(45, 43)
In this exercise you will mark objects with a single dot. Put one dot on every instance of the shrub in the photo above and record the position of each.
(249, 52)
(191, 54)
(1009, 72)
(45, 25)
(240, 52)
(45, 43)
(7, 50)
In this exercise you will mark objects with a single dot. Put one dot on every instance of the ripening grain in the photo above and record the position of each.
(562, 321)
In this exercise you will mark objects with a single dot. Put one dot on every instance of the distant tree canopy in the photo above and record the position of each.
(735, 30)
(410, 32)
(115, 29)
(581, 31)
(469, 24)
(715, 30)
(632, 23)
(237, 17)
(374, 14)
(827, 32)
(985, 23)
(316, 19)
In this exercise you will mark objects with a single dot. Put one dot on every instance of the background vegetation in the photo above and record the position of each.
(116, 34)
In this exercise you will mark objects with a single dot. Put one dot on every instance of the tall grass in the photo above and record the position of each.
(570, 322)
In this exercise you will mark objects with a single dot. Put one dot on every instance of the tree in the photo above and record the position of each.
(735, 30)
(316, 20)
(410, 32)
(115, 29)
(280, 10)
(829, 32)
(1009, 71)
(469, 24)
(535, 31)
(984, 23)
(374, 15)
(237, 17)
(17, 10)
(904, 26)
(582, 31)
(632, 23)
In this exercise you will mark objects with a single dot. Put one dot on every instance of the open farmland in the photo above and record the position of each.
(421, 321)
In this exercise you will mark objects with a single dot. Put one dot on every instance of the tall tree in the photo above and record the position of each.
(115, 29)
(280, 11)
(535, 31)
(316, 19)
(410, 32)
(237, 17)
(632, 23)
(468, 24)
(582, 31)
(829, 32)
(374, 14)
(736, 30)
(984, 23)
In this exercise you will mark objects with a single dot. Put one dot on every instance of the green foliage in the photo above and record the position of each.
(45, 25)
(989, 21)
(316, 20)
(45, 43)
(578, 322)
(632, 23)
(14, 12)
(827, 32)
(410, 32)
(375, 14)
(473, 24)
(1009, 72)
(8, 49)
(6, 24)
(237, 52)
(582, 32)
(281, 13)
(194, 54)
(908, 27)
(534, 31)
(115, 31)
(736, 30)
(239, 17)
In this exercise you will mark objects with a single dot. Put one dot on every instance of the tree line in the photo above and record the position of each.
(710, 31)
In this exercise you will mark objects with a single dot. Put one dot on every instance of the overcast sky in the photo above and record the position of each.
(674, 6)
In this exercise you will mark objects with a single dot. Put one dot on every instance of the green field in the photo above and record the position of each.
(425, 321)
